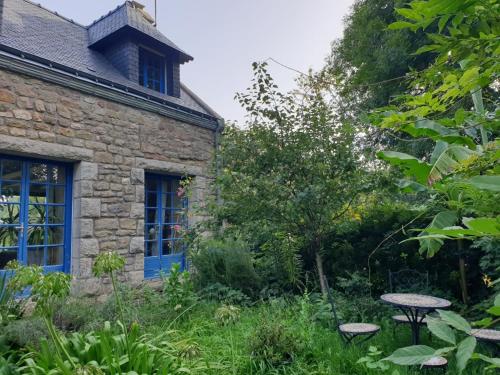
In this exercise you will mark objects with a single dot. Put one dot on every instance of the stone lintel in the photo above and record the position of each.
(168, 167)
(39, 149)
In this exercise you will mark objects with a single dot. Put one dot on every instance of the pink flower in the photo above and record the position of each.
(177, 227)
(180, 192)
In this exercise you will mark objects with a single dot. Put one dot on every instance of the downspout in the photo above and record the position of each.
(218, 161)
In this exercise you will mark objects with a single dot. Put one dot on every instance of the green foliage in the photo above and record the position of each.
(107, 263)
(25, 332)
(226, 295)
(448, 328)
(289, 177)
(226, 262)
(10, 307)
(272, 344)
(462, 171)
(105, 352)
(227, 314)
(178, 288)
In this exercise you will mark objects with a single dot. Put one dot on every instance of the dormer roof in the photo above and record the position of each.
(130, 17)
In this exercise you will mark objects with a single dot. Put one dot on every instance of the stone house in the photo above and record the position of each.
(96, 133)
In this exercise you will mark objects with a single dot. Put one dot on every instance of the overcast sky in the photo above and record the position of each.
(226, 36)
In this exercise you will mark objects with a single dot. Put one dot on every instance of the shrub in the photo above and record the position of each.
(178, 288)
(224, 294)
(273, 344)
(25, 332)
(78, 314)
(227, 262)
(227, 314)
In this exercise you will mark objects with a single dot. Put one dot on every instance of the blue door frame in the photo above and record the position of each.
(165, 215)
(48, 225)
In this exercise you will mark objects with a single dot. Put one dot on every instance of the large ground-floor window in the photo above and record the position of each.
(165, 219)
(35, 213)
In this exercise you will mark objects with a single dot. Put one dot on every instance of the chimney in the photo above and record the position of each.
(140, 7)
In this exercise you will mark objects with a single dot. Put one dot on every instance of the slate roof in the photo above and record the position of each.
(48, 37)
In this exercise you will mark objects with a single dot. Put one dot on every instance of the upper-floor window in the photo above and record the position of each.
(151, 70)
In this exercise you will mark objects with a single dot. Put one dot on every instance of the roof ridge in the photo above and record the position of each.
(108, 14)
(54, 13)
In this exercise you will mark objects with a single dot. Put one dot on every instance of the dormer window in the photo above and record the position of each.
(152, 70)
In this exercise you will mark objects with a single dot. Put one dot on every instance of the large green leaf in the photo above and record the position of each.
(426, 128)
(464, 352)
(412, 167)
(448, 161)
(411, 355)
(491, 183)
(443, 219)
(441, 330)
(456, 321)
(409, 186)
(486, 225)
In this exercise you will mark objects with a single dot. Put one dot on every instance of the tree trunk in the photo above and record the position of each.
(463, 275)
(321, 273)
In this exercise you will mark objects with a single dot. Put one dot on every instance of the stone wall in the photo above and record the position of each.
(111, 146)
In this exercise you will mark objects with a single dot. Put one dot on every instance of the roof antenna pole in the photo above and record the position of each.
(155, 14)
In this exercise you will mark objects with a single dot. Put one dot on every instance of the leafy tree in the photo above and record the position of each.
(454, 102)
(371, 65)
(290, 175)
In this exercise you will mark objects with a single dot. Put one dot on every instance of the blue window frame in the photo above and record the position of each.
(35, 213)
(151, 70)
(165, 217)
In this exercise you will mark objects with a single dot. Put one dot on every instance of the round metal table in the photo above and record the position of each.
(415, 307)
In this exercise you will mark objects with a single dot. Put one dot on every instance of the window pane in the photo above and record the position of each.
(36, 235)
(178, 201)
(166, 186)
(11, 169)
(7, 255)
(54, 256)
(10, 191)
(167, 218)
(167, 231)
(57, 175)
(166, 200)
(152, 216)
(9, 213)
(151, 184)
(166, 248)
(38, 193)
(8, 236)
(35, 256)
(37, 214)
(151, 232)
(151, 248)
(177, 246)
(38, 172)
(55, 235)
(56, 214)
(56, 194)
(151, 200)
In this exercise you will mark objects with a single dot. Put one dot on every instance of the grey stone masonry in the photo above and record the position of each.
(111, 147)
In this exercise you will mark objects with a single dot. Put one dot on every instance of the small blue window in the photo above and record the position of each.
(165, 220)
(152, 71)
(35, 213)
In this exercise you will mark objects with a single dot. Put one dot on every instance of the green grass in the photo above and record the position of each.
(322, 351)
(203, 341)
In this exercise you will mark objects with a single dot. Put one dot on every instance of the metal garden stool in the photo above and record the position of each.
(349, 331)
(407, 280)
(436, 363)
